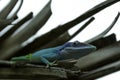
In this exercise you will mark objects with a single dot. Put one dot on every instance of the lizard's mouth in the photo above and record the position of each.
(83, 49)
(83, 46)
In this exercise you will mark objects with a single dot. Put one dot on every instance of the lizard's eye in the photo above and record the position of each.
(75, 43)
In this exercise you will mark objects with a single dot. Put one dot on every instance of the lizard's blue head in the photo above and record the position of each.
(77, 48)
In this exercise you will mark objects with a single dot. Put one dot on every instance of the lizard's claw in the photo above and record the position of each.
(52, 64)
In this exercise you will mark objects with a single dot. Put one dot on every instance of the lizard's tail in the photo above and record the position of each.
(22, 58)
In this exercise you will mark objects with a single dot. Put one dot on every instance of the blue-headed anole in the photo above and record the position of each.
(69, 50)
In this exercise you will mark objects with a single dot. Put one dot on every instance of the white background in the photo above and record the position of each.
(66, 10)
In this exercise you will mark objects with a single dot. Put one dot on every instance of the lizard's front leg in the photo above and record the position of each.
(48, 63)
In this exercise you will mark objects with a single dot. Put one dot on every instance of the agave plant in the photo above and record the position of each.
(96, 63)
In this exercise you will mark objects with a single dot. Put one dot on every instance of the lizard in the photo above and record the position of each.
(49, 56)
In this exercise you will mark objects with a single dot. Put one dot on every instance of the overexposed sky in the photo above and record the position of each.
(64, 11)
